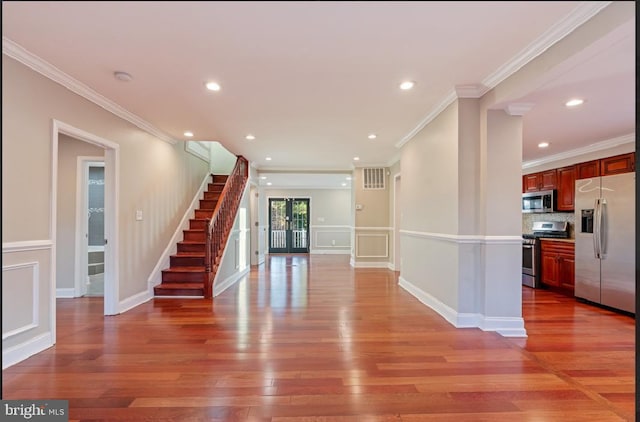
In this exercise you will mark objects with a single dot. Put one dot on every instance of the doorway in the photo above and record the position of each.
(90, 223)
(288, 225)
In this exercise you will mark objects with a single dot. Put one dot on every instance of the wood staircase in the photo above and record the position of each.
(187, 272)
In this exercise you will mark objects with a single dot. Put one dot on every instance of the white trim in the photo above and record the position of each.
(518, 109)
(379, 264)
(20, 352)
(155, 278)
(66, 292)
(331, 251)
(112, 214)
(386, 244)
(135, 300)
(316, 226)
(27, 245)
(373, 228)
(19, 53)
(395, 232)
(199, 149)
(315, 238)
(35, 299)
(581, 14)
(574, 153)
(470, 90)
(466, 238)
(507, 327)
(219, 288)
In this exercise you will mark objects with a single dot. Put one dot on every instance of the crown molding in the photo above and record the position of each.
(582, 13)
(471, 90)
(518, 109)
(22, 55)
(585, 11)
(598, 146)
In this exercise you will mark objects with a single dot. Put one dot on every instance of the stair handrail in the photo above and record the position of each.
(219, 227)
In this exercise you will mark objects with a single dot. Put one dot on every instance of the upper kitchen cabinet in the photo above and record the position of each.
(566, 177)
(544, 180)
(624, 163)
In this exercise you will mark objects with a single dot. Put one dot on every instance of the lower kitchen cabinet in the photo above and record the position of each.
(558, 265)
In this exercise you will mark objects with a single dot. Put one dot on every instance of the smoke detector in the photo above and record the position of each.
(122, 76)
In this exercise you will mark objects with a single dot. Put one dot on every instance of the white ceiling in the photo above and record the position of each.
(312, 79)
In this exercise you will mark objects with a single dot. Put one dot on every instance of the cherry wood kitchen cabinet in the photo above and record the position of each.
(558, 265)
(588, 169)
(624, 163)
(534, 182)
(565, 195)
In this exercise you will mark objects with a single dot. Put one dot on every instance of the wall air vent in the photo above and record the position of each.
(373, 178)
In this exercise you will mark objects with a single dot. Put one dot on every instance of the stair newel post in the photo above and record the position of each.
(207, 260)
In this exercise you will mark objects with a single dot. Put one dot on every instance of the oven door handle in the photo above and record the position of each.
(527, 246)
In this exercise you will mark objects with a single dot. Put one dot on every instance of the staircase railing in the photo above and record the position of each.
(224, 214)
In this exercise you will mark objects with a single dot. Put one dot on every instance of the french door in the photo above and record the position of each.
(288, 225)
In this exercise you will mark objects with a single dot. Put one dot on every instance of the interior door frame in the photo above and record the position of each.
(111, 207)
(82, 221)
(288, 241)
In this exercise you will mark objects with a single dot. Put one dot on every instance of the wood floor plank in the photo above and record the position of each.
(309, 338)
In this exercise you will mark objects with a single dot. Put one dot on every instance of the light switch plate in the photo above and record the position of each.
(138, 215)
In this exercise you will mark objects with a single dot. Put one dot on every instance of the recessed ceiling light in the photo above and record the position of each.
(122, 76)
(372, 136)
(212, 86)
(574, 102)
(250, 137)
(543, 144)
(348, 177)
(356, 158)
(188, 134)
(407, 85)
(344, 184)
(268, 158)
(269, 183)
(263, 177)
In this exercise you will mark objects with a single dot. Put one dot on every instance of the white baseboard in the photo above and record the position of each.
(220, 287)
(355, 264)
(135, 300)
(65, 293)
(507, 327)
(330, 252)
(25, 350)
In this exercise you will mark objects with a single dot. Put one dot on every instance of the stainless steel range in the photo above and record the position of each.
(531, 248)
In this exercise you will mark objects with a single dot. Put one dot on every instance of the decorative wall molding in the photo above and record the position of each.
(581, 14)
(575, 153)
(465, 238)
(518, 109)
(386, 244)
(331, 251)
(22, 55)
(317, 232)
(35, 299)
(27, 245)
(470, 91)
(373, 228)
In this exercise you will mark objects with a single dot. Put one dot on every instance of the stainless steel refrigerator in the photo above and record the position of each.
(605, 240)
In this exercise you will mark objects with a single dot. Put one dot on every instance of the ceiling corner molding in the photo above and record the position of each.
(585, 11)
(581, 14)
(598, 146)
(518, 109)
(471, 91)
(450, 98)
(22, 55)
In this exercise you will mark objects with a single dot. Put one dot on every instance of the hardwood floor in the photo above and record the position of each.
(312, 339)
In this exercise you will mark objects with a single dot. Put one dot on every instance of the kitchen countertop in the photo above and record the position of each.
(558, 240)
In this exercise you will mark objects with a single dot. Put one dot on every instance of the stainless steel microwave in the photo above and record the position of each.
(543, 201)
